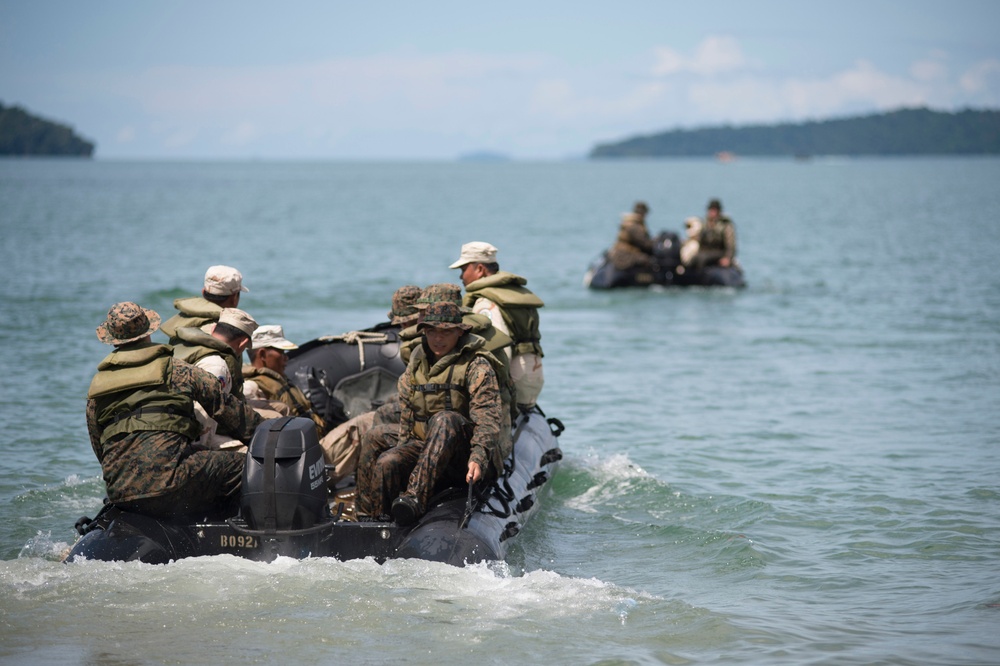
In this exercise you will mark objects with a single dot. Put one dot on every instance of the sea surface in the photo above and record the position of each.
(802, 472)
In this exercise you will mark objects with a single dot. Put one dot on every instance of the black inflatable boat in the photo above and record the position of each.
(602, 274)
(287, 510)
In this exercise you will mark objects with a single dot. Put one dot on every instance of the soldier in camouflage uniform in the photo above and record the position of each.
(450, 423)
(142, 426)
(222, 288)
(717, 240)
(633, 248)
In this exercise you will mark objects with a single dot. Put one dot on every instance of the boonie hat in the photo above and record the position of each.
(442, 314)
(716, 204)
(127, 322)
(271, 335)
(223, 281)
(239, 320)
(436, 293)
(403, 304)
(476, 252)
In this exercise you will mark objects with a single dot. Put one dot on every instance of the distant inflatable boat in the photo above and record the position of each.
(602, 274)
(286, 509)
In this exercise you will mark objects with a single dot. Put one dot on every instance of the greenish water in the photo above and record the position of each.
(801, 472)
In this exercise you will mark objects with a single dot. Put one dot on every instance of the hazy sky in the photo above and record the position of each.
(534, 80)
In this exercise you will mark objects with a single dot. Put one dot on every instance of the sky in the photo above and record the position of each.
(537, 80)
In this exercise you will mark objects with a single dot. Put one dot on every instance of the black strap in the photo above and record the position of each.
(138, 412)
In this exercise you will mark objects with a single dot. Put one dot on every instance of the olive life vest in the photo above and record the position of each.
(627, 233)
(277, 387)
(495, 341)
(518, 307)
(132, 393)
(195, 344)
(195, 312)
(714, 238)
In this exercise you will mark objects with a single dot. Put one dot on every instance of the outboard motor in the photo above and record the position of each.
(284, 480)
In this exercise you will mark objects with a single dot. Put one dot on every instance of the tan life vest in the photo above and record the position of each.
(194, 312)
(277, 387)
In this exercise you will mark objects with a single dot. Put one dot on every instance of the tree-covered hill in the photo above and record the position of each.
(918, 131)
(21, 133)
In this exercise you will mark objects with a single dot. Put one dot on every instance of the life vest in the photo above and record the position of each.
(714, 237)
(132, 393)
(518, 307)
(195, 344)
(195, 312)
(277, 387)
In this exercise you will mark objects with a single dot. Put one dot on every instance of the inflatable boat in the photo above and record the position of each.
(602, 274)
(287, 510)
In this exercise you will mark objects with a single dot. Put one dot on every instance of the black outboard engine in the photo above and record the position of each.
(284, 480)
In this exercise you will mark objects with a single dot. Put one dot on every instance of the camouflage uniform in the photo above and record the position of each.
(146, 451)
(633, 248)
(716, 241)
(433, 448)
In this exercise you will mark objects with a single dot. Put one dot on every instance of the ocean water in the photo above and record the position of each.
(802, 472)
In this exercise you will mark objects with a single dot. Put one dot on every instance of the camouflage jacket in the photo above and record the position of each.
(719, 237)
(482, 405)
(144, 463)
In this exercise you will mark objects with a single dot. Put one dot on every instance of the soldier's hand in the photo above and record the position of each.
(475, 473)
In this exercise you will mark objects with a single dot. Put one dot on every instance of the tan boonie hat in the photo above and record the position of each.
(403, 301)
(443, 314)
(223, 281)
(239, 320)
(476, 252)
(272, 335)
(127, 322)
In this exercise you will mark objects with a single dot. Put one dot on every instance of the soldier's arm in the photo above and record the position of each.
(94, 430)
(405, 409)
(232, 414)
(485, 411)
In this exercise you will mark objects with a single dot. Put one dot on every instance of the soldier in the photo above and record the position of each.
(222, 289)
(449, 429)
(717, 240)
(265, 377)
(142, 426)
(512, 308)
(218, 349)
(633, 249)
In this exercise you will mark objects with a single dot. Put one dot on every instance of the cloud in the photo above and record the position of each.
(714, 55)
(982, 77)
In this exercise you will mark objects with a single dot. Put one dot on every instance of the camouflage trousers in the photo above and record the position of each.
(205, 482)
(388, 412)
(390, 467)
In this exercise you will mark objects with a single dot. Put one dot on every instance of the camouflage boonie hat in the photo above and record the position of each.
(403, 304)
(440, 292)
(127, 322)
(443, 314)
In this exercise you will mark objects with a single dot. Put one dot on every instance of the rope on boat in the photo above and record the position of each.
(358, 338)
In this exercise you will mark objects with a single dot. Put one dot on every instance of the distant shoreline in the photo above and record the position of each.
(903, 133)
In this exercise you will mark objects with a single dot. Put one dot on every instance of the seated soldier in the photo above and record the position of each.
(265, 380)
(450, 424)
(222, 288)
(142, 426)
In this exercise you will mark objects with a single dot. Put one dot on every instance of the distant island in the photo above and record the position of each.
(23, 134)
(918, 131)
